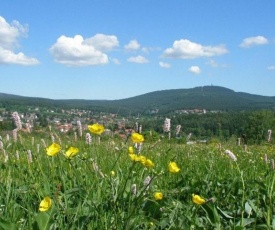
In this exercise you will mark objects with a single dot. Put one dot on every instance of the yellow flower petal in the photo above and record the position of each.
(133, 157)
(197, 199)
(148, 163)
(158, 196)
(131, 150)
(71, 152)
(137, 138)
(96, 129)
(45, 204)
(53, 149)
(173, 167)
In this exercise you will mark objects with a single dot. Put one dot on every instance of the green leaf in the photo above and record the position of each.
(43, 220)
(6, 225)
(224, 213)
(248, 209)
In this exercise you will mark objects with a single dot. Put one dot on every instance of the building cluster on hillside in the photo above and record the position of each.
(63, 120)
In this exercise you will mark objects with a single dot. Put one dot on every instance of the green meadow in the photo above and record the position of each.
(103, 186)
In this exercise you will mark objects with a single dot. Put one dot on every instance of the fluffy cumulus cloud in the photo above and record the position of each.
(252, 41)
(185, 49)
(132, 45)
(164, 64)
(9, 36)
(8, 57)
(138, 59)
(76, 51)
(103, 42)
(194, 69)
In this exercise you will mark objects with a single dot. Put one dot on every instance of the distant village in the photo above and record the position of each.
(66, 121)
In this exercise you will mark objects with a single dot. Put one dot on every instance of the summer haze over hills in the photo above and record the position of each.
(205, 97)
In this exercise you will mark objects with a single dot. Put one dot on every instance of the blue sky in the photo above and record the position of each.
(114, 49)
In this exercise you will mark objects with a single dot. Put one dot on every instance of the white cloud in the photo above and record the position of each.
(138, 59)
(79, 52)
(195, 69)
(252, 41)
(185, 49)
(102, 42)
(10, 33)
(164, 64)
(9, 36)
(9, 57)
(132, 45)
(272, 67)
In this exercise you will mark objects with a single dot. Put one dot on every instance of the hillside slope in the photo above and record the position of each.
(206, 97)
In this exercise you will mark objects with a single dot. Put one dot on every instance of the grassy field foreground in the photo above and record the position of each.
(134, 184)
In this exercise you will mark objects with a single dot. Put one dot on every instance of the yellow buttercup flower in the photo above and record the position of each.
(133, 157)
(173, 167)
(148, 163)
(45, 204)
(96, 129)
(141, 159)
(197, 199)
(158, 196)
(131, 150)
(113, 173)
(71, 152)
(53, 149)
(137, 138)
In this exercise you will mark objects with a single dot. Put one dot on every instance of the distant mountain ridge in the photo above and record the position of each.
(165, 101)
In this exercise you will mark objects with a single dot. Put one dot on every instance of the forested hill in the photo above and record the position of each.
(206, 97)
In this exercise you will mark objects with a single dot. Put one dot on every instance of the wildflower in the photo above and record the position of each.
(231, 155)
(140, 129)
(136, 127)
(133, 156)
(79, 128)
(88, 138)
(167, 125)
(158, 196)
(197, 199)
(188, 137)
(5, 155)
(53, 149)
(137, 138)
(96, 129)
(269, 135)
(53, 138)
(45, 204)
(141, 159)
(43, 143)
(71, 152)
(173, 167)
(75, 136)
(17, 120)
(147, 180)
(178, 128)
(14, 135)
(148, 163)
(131, 150)
(113, 173)
(134, 189)
(29, 156)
